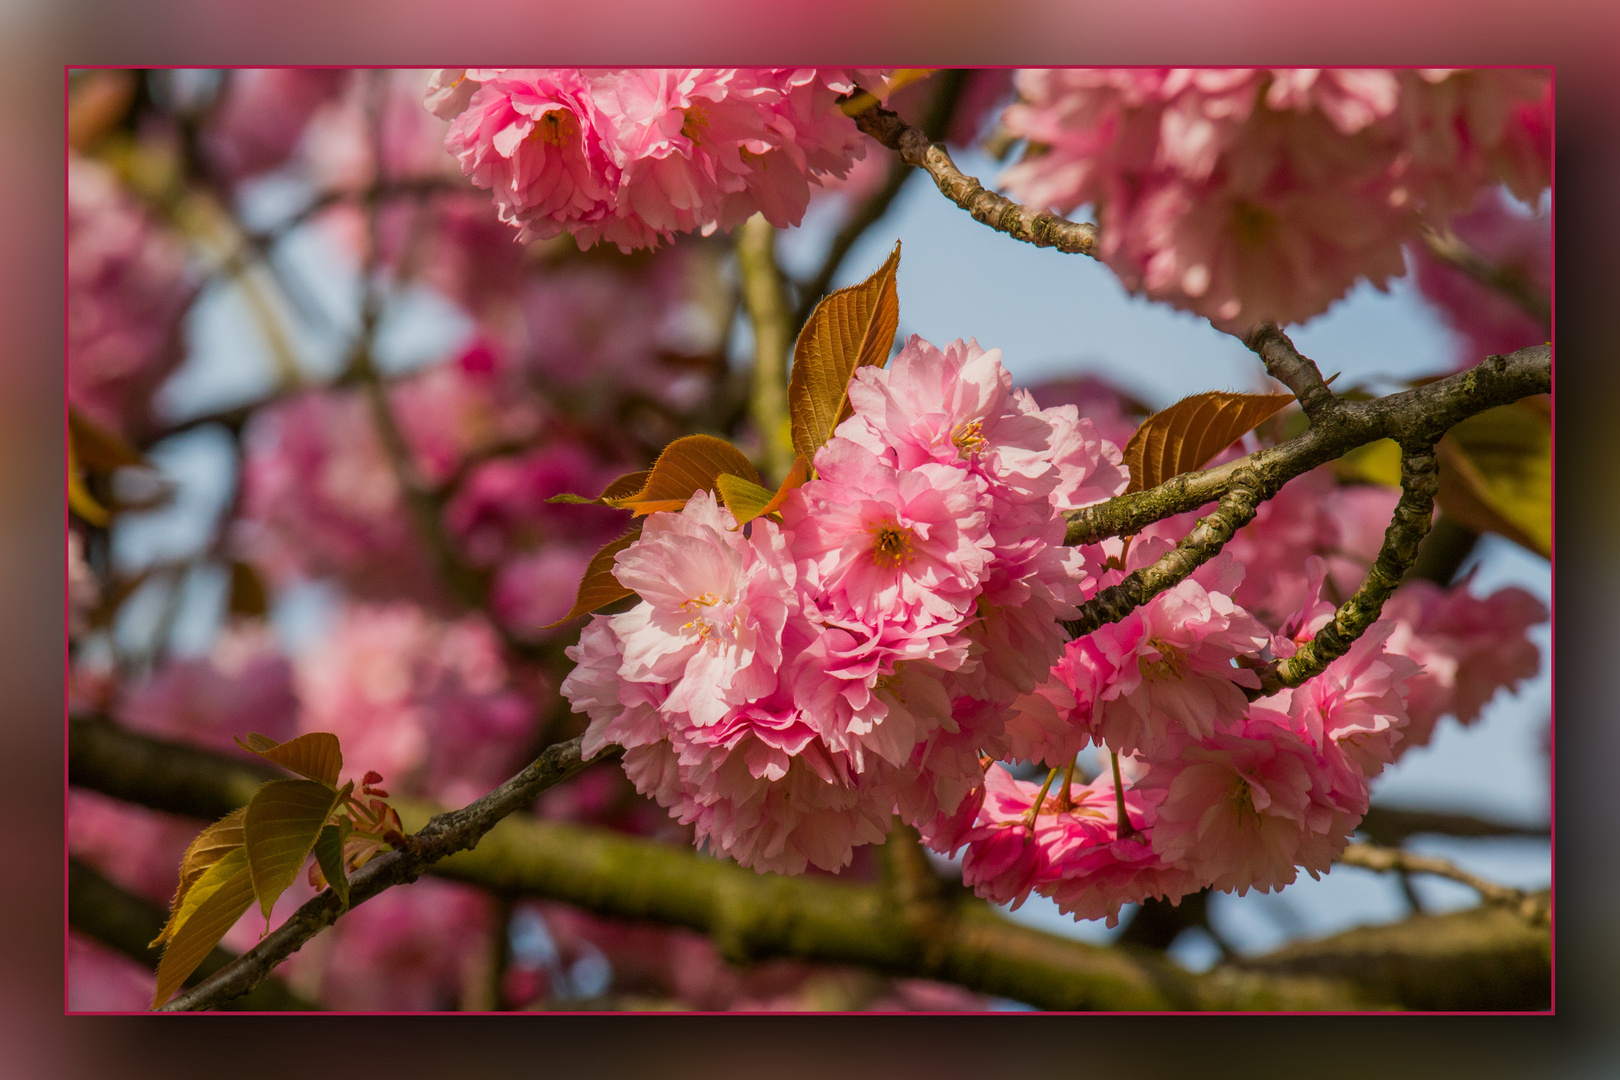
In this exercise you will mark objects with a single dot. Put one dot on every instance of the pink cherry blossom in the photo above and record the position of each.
(1243, 809)
(1484, 321)
(635, 155)
(427, 703)
(262, 116)
(1254, 194)
(877, 539)
(129, 284)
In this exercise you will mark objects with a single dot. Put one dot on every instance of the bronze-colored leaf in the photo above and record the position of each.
(214, 903)
(317, 754)
(1496, 474)
(211, 845)
(1189, 433)
(80, 501)
(851, 328)
(688, 465)
(599, 586)
(282, 823)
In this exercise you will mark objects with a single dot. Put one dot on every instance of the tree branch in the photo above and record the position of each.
(1236, 509)
(126, 922)
(1413, 417)
(1533, 908)
(1391, 825)
(1038, 227)
(941, 108)
(1414, 512)
(1299, 373)
(752, 916)
(1482, 958)
(1448, 248)
(441, 836)
(768, 312)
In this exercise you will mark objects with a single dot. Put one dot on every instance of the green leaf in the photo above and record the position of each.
(282, 823)
(599, 587)
(687, 465)
(329, 855)
(745, 499)
(1189, 433)
(1375, 463)
(212, 844)
(212, 906)
(317, 755)
(851, 328)
(1496, 473)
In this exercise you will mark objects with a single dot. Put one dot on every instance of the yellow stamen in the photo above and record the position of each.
(893, 545)
(967, 438)
(696, 123)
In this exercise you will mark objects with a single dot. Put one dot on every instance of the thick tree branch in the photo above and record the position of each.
(1391, 825)
(1534, 908)
(106, 767)
(944, 935)
(1038, 227)
(1413, 417)
(1482, 958)
(126, 922)
(1420, 481)
(766, 302)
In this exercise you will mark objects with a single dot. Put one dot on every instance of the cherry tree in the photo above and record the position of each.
(824, 646)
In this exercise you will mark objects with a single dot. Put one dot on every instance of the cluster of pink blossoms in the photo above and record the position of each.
(1249, 194)
(129, 285)
(635, 155)
(787, 689)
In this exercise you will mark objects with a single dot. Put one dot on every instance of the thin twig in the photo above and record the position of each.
(1038, 227)
(1533, 908)
(443, 835)
(1449, 248)
(941, 108)
(1413, 417)
(1420, 481)
(1299, 373)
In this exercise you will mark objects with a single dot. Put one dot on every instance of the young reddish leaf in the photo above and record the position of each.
(329, 857)
(687, 465)
(282, 823)
(849, 329)
(745, 499)
(212, 844)
(1186, 435)
(599, 586)
(316, 755)
(213, 905)
(1496, 474)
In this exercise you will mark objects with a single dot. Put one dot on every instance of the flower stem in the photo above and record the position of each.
(1035, 810)
(1123, 830)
